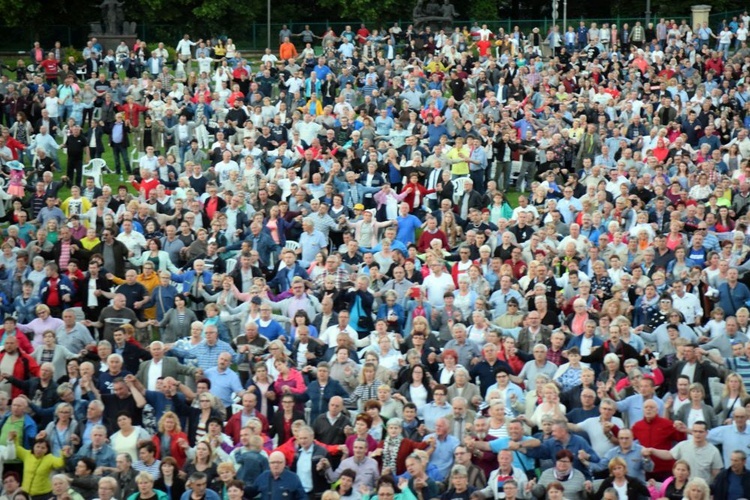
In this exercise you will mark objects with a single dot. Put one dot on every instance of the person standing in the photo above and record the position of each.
(77, 148)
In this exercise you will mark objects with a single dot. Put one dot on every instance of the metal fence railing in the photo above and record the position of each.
(254, 35)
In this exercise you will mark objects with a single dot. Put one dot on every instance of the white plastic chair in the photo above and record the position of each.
(291, 245)
(95, 169)
(459, 187)
(231, 264)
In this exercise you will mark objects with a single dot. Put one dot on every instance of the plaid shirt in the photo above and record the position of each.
(207, 356)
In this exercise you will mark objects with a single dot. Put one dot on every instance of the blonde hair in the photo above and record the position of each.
(170, 415)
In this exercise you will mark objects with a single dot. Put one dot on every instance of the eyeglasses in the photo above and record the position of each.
(563, 460)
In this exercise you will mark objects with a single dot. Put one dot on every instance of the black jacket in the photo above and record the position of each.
(320, 483)
(120, 254)
(97, 132)
(720, 486)
(636, 490)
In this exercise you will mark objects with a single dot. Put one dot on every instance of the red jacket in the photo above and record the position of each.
(409, 198)
(290, 446)
(175, 450)
(23, 341)
(660, 434)
(132, 113)
(25, 368)
(234, 425)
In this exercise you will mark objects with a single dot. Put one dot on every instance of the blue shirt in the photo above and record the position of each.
(730, 439)
(223, 384)
(549, 450)
(407, 227)
(442, 457)
(633, 406)
(431, 412)
(304, 468)
(118, 130)
(207, 356)
(210, 495)
(311, 244)
(520, 460)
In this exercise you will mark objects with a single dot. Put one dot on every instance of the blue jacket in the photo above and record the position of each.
(286, 487)
(265, 246)
(383, 313)
(163, 299)
(318, 400)
(283, 279)
(26, 308)
(65, 288)
(550, 447)
(29, 430)
(187, 279)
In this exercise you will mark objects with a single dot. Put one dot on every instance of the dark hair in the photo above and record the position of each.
(181, 297)
(350, 473)
(12, 474)
(168, 461)
(215, 420)
(89, 462)
(203, 381)
(562, 454)
(158, 243)
(148, 446)
(236, 483)
(387, 481)
(46, 443)
(410, 406)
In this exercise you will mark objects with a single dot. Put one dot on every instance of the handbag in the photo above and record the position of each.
(363, 322)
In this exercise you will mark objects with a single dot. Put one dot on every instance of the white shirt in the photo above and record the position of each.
(148, 163)
(154, 374)
(436, 286)
(135, 242)
(689, 306)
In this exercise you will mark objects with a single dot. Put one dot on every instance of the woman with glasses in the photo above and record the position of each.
(285, 415)
(201, 416)
(61, 432)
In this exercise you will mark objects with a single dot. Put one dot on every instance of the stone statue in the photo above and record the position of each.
(128, 28)
(449, 11)
(433, 8)
(111, 12)
(433, 14)
(418, 11)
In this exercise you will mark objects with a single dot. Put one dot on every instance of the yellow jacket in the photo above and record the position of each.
(36, 471)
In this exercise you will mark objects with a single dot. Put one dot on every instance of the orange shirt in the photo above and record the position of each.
(287, 51)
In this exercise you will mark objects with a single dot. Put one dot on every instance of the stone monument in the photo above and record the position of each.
(434, 15)
(112, 27)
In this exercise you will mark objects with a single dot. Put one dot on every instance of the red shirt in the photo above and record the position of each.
(53, 299)
(50, 68)
(211, 206)
(484, 47)
(238, 72)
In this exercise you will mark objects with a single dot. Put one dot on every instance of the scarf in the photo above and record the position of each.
(390, 452)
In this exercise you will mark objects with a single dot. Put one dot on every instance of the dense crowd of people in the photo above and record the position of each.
(321, 289)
